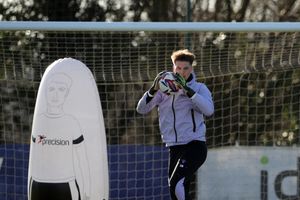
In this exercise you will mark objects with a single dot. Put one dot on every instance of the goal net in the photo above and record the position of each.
(254, 78)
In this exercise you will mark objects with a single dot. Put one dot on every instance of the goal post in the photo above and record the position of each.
(151, 26)
(252, 70)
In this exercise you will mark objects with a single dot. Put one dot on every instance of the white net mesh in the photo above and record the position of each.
(254, 79)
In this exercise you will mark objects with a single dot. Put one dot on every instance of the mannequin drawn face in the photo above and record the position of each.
(57, 90)
(56, 93)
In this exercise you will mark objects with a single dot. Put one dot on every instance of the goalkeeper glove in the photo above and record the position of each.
(182, 84)
(155, 85)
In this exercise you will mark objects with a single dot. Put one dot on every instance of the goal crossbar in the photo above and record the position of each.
(151, 26)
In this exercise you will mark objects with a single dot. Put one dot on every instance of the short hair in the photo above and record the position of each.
(183, 55)
(60, 78)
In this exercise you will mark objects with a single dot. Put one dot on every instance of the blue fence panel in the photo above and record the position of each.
(135, 172)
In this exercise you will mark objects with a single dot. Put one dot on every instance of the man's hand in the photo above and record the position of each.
(181, 82)
(155, 85)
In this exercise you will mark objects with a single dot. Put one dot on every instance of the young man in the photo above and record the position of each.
(181, 121)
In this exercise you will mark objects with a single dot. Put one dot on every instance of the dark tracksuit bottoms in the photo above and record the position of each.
(184, 160)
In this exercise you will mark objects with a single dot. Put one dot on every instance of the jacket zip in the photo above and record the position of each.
(193, 119)
(173, 109)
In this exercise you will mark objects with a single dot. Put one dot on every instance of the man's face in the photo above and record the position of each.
(56, 93)
(184, 68)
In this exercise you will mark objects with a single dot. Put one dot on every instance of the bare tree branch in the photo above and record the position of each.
(242, 12)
